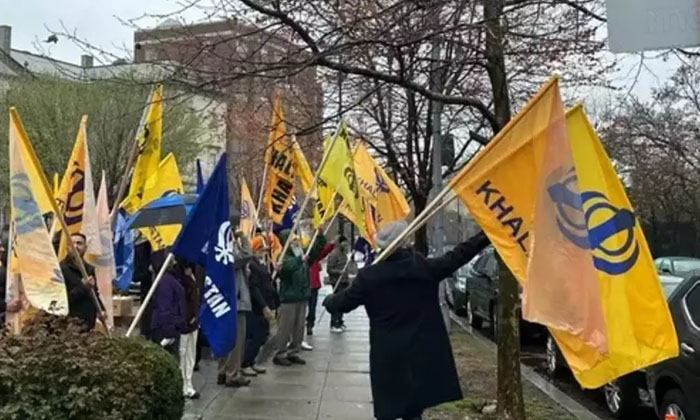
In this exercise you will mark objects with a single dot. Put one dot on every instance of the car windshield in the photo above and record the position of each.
(685, 266)
(669, 286)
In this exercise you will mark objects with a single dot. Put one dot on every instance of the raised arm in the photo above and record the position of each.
(348, 299)
(447, 264)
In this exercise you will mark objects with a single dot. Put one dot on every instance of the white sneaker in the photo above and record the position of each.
(336, 330)
(306, 346)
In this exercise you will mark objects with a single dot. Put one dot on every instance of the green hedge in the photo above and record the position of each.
(53, 371)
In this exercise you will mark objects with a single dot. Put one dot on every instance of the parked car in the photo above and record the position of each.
(627, 394)
(473, 292)
(681, 267)
(674, 385)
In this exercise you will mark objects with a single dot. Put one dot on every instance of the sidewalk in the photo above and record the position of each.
(333, 385)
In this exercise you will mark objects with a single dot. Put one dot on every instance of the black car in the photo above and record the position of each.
(626, 395)
(674, 385)
(474, 291)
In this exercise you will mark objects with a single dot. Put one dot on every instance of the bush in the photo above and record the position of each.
(55, 371)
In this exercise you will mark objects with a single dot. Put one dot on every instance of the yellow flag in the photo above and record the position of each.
(76, 197)
(378, 189)
(279, 158)
(165, 181)
(34, 258)
(640, 330)
(527, 192)
(248, 213)
(369, 221)
(339, 174)
(325, 207)
(149, 142)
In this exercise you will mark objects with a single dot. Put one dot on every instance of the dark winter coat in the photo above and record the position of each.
(168, 316)
(192, 298)
(294, 273)
(411, 363)
(80, 302)
(262, 292)
(335, 266)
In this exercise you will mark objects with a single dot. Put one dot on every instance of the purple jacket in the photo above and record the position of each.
(168, 317)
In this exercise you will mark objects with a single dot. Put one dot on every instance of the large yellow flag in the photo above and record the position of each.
(325, 207)
(525, 190)
(378, 189)
(279, 158)
(248, 212)
(301, 167)
(34, 258)
(149, 140)
(165, 181)
(76, 197)
(339, 174)
(640, 328)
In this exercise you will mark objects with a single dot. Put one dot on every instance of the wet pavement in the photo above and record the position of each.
(333, 385)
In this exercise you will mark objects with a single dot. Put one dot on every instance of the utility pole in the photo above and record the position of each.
(438, 233)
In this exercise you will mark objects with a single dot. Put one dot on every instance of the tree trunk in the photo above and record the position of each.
(510, 390)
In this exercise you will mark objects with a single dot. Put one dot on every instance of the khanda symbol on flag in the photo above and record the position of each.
(548, 197)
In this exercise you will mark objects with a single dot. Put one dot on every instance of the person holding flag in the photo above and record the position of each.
(411, 362)
(338, 278)
(80, 303)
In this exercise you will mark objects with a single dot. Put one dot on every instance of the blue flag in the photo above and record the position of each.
(288, 218)
(123, 253)
(361, 245)
(207, 239)
(200, 178)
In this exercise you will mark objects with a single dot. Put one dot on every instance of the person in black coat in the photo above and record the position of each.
(411, 362)
(80, 302)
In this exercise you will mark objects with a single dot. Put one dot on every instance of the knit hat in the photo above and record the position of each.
(389, 233)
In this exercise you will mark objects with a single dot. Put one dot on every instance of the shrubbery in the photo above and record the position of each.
(53, 371)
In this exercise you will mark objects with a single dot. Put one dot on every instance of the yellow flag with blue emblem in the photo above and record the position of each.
(33, 255)
(165, 181)
(640, 330)
(76, 198)
(149, 139)
(547, 196)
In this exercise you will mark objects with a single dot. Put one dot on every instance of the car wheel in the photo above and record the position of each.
(674, 402)
(553, 365)
(621, 397)
(474, 320)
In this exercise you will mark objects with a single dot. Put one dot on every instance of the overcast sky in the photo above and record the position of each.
(98, 21)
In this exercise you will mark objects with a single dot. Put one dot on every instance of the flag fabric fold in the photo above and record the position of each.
(123, 253)
(105, 269)
(248, 213)
(33, 254)
(207, 239)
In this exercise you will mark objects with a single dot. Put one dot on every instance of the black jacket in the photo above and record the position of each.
(262, 292)
(80, 303)
(192, 298)
(3, 282)
(411, 363)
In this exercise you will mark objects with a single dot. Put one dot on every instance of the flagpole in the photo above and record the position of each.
(64, 227)
(262, 190)
(149, 295)
(130, 163)
(345, 267)
(308, 197)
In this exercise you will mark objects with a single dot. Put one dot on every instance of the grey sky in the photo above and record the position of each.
(98, 22)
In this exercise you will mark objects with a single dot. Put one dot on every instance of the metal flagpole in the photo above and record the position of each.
(347, 264)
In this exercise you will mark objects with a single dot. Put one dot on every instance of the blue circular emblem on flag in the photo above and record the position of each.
(590, 221)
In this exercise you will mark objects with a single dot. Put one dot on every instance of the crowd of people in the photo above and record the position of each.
(283, 296)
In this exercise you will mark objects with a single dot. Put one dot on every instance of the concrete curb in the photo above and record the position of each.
(569, 404)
